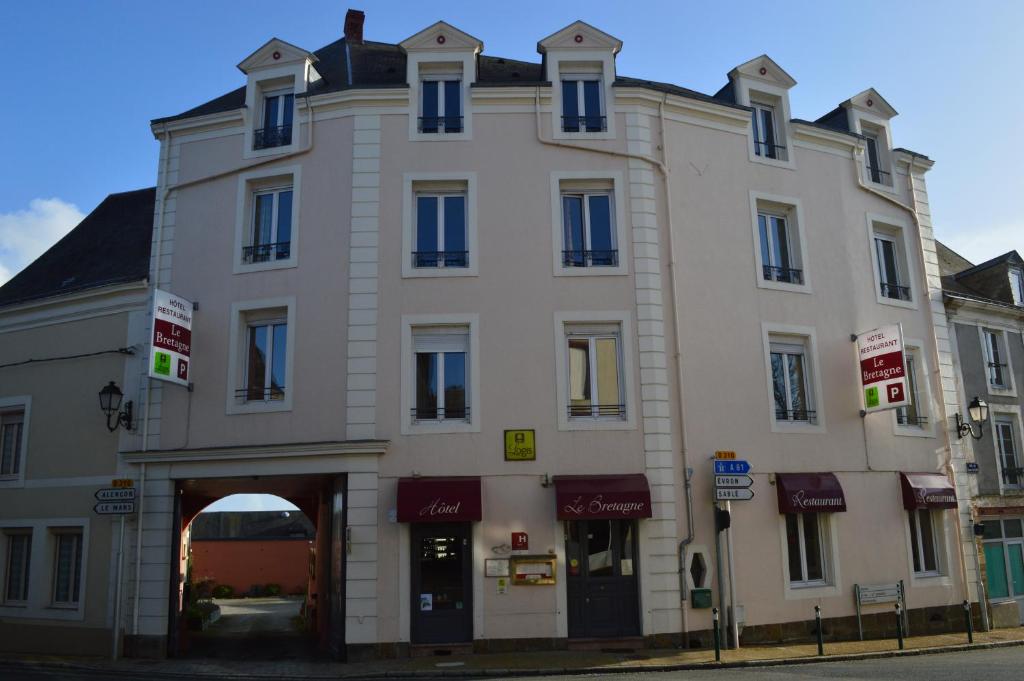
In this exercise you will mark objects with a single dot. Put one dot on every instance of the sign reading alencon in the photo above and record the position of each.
(883, 372)
(171, 343)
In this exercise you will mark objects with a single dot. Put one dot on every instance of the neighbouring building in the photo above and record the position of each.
(486, 322)
(985, 307)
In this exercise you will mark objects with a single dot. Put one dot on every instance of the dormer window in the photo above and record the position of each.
(769, 135)
(441, 103)
(875, 152)
(1017, 285)
(440, 68)
(582, 103)
(276, 120)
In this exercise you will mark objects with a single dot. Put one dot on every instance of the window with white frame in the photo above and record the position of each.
(441, 229)
(806, 538)
(1004, 428)
(768, 137)
(441, 369)
(781, 259)
(1017, 285)
(17, 565)
(274, 127)
(994, 348)
(914, 414)
(67, 566)
(266, 352)
(583, 102)
(924, 542)
(588, 227)
(12, 424)
(271, 235)
(891, 263)
(595, 385)
(791, 380)
(440, 103)
(875, 151)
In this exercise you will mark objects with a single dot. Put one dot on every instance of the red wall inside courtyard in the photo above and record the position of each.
(243, 563)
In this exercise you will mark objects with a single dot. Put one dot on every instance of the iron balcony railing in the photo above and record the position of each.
(440, 259)
(879, 176)
(584, 123)
(808, 415)
(590, 258)
(266, 252)
(441, 414)
(905, 419)
(597, 410)
(1013, 475)
(278, 136)
(895, 291)
(255, 394)
(786, 275)
(771, 150)
(995, 374)
(431, 124)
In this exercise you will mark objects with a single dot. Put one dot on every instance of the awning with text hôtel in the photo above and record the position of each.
(439, 500)
(809, 493)
(927, 490)
(602, 497)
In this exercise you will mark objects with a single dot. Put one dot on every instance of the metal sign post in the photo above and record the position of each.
(731, 484)
(116, 501)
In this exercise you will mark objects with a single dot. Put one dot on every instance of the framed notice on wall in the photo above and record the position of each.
(496, 567)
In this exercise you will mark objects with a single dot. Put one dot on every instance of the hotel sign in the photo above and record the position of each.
(883, 372)
(171, 343)
(520, 445)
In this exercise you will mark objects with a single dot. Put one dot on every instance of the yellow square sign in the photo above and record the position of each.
(520, 446)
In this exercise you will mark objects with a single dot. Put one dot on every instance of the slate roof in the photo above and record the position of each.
(959, 276)
(252, 525)
(110, 246)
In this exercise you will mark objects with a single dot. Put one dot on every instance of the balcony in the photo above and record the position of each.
(440, 259)
(1013, 476)
(584, 123)
(420, 414)
(771, 150)
(267, 138)
(996, 371)
(258, 394)
(797, 415)
(437, 124)
(282, 250)
(786, 275)
(905, 419)
(895, 291)
(590, 258)
(879, 176)
(597, 411)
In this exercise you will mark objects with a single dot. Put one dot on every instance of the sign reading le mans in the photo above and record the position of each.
(883, 372)
(171, 344)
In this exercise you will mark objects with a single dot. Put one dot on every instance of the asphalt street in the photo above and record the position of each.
(1002, 664)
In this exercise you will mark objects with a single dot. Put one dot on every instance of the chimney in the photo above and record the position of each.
(354, 26)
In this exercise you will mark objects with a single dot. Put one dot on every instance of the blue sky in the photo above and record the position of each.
(84, 78)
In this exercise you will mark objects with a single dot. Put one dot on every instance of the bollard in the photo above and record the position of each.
(970, 624)
(817, 622)
(718, 635)
(899, 624)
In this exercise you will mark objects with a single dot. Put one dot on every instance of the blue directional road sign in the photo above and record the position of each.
(731, 467)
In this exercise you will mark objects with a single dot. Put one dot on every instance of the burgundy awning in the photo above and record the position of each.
(809, 493)
(439, 500)
(927, 490)
(584, 497)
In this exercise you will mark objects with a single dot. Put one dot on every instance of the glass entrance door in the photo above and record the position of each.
(442, 593)
(602, 584)
(1004, 560)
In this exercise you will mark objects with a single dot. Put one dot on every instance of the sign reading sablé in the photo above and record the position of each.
(171, 343)
(519, 445)
(883, 372)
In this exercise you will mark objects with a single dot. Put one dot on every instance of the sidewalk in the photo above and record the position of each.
(529, 664)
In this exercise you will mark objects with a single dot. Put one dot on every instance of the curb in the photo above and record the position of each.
(520, 673)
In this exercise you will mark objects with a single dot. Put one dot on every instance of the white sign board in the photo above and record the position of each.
(883, 370)
(733, 494)
(115, 494)
(878, 593)
(114, 507)
(171, 342)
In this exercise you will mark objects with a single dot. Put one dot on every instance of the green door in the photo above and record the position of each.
(995, 570)
(1015, 554)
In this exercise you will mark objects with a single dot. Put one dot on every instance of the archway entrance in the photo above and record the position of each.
(257, 581)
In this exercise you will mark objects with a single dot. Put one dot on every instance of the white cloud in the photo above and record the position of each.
(26, 234)
(985, 243)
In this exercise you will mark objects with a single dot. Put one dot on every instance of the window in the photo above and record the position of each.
(441, 374)
(588, 230)
(266, 350)
(1007, 449)
(766, 137)
(875, 150)
(271, 236)
(595, 373)
(995, 358)
(261, 356)
(913, 414)
(582, 106)
(923, 542)
(791, 382)
(12, 424)
(780, 255)
(441, 230)
(440, 104)
(1017, 285)
(19, 549)
(887, 252)
(805, 541)
(67, 567)
(275, 120)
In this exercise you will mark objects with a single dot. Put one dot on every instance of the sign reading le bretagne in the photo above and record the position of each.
(171, 343)
(883, 372)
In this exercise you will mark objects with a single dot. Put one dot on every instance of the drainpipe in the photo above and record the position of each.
(663, 168)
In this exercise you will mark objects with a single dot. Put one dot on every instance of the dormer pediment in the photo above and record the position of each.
(442, 36)
(275, 52)
(763, 69)
(871, 102)
(580, 35)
